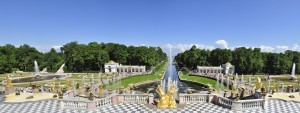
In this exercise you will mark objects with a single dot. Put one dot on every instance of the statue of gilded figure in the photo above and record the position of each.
(170, 95)
(52, 86)
(100, 89)
(166, 100)
(8, 80)
(258, 83)
(234, 90)
(163, 100)
(68, 83)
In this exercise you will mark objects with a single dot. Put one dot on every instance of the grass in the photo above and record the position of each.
(62, 82)
(88, 76)
(275, 80)
(199, 79)
(125, 82)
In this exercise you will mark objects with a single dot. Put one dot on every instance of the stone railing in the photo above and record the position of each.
(224, 102)
(191, 98)
(75, 103)
(236, 105)
(248, 104)
(103, 102)
(135, 98)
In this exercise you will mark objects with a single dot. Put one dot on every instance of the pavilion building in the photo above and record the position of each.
(226, 69)
(113, 67)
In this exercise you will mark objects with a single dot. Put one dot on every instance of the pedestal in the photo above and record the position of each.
(9, 90)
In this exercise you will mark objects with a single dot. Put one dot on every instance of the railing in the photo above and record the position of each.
(74, 104)
(98, 103)
(224, 102)
(255, 103)
(134, 98)
(237, 105)
(103, 102)
(190, 98)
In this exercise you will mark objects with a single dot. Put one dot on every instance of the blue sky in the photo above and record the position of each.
(273, 25)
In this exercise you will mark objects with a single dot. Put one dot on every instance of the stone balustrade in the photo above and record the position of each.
(103, 102)
(74, 104)
(248, 104)
(191, 98)
(236, 105)
(133, 98)
(224, 102)
(112, 99)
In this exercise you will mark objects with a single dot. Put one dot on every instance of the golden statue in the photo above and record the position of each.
(253, 89)
(80, 88)
(170, 95)
(258, 83)
(68, 83)
(8, 80)
(234, 91)
(166, 100)
(52, 86)
(100, 89)
(162, 102)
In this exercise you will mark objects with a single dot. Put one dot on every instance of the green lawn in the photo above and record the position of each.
(159, 71)
(199, 79)
(62, 82)
(88, 76)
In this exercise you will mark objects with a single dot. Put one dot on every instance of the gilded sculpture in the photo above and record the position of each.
(258, 83)
(166, 100)
(234, 90)
(8, 80)
(68, 83)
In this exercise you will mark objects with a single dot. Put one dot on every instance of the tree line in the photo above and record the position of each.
(246, 60)
(78, 57)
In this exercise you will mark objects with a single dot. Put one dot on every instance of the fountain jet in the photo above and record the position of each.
(293, 77)
(36, 69)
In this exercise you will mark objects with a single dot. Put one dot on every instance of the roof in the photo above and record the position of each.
(228, 64)
(111, 62)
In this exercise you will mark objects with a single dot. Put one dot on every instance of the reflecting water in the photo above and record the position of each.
(171, 72)
(39, 78)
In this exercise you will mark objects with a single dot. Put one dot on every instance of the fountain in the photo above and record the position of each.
(293, 77)
(170, 85)
(36, 69)
(38, 77)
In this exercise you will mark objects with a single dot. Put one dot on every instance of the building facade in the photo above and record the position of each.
(113, 67)
(226, 69)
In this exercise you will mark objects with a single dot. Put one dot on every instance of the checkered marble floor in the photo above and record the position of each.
(51, 106)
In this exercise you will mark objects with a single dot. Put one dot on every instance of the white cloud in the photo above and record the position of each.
(280, 49)
(266, 48)
(57, 47)
(221, 44)
(295, 47)
(178, 48)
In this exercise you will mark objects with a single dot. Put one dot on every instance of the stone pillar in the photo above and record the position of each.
(120, 99)
(91, 105)
(61, 104)
(114, 99)
(181, 98)
(237, 106)
(151, 99)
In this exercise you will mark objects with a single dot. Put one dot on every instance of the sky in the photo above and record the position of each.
(272, 25)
